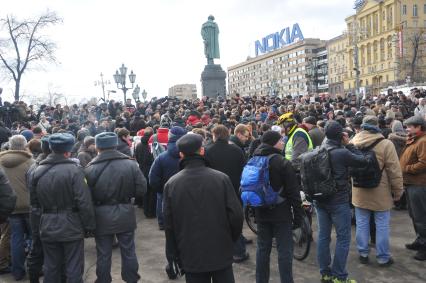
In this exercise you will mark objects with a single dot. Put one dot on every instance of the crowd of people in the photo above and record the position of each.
(79, 171)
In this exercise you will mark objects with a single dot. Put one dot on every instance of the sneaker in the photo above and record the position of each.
(388, 263)
(420, 255)
(326, 279)
(414, 246)
(240, 259)
(363, 259)
(335, 280)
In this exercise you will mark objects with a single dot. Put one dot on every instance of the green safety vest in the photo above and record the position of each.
(289, 145)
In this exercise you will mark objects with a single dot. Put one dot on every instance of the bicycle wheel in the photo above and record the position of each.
(249, 215)
(302, 246)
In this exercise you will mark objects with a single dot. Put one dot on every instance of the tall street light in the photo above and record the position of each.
(120, 80)
(102, 83)
(135, 93)
(144, 95)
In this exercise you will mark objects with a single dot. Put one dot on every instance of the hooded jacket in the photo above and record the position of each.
(164, 167)
(379, 198)
(15, 164)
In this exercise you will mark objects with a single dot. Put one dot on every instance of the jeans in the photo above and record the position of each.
(20, 231)
(338, 215)
(282, 232)
(221, 276)
(160, 215)
(240, 247)
(416, 199)
(382, 219)
(129, 261)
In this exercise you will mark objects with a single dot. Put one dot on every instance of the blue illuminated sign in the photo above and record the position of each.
(278, 40)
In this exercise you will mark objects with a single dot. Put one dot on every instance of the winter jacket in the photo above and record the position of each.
(413, 162)
(317, 136)
(398, 141)
(144, 156)
(64, 199)
(379, 198)
(164, 167)
(236, 141)
(114, 180)
(15, 164)
(202, 216)
(342, 158)
(85, 156)
(137, 124)
(5, 134)
(282, 177)
(227, 158)
(124, 147)
(7, 197)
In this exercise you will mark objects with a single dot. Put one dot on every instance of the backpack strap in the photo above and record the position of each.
(100, 174)
(373, 145)
(36, 180)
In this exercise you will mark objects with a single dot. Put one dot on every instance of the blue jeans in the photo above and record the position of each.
(283, 234)
(20, 232)
(382, 219)
(338, 215)
(160, 215)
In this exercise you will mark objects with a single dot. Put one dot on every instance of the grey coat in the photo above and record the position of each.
(64, 199)
(120, 181)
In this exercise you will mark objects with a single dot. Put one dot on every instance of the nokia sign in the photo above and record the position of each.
(278, 39)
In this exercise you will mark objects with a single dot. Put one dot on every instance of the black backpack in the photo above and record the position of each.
(368, 177)
(317, 174)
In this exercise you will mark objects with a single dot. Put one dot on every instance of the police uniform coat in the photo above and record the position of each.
(112, 189)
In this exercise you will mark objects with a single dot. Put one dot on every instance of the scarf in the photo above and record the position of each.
(412, 138)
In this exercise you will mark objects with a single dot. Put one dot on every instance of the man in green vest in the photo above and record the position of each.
(298, 140)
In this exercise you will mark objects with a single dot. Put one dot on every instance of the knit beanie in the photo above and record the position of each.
(28, 134)
(176, 133)
(271, 138)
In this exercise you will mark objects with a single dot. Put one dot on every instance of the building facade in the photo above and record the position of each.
(387, 38)
(183, 91)
(337, 67)
(281, 72)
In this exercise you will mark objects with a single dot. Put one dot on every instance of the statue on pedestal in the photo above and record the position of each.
(210, 35)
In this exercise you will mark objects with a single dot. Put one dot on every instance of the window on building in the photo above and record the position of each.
(414, 10)
(404, 9)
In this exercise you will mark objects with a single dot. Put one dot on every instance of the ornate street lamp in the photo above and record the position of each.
(135, 93)
(120, 79)
(144, 95)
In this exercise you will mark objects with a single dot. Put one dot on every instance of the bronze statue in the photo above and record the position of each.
(210, 35)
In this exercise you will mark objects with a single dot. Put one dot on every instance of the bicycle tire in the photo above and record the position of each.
(249, 215)
(301, 249)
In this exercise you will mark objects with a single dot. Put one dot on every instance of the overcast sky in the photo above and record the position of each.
(160, 40)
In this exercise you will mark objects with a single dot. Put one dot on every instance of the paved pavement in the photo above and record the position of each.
(150, 250)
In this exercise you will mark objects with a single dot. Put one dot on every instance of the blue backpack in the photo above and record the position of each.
(256, 190)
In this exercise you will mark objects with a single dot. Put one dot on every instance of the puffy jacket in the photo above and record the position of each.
(379, 198)
(202, 216)
(15, 164)
(164, 167)
(114, 180)
(64, 199)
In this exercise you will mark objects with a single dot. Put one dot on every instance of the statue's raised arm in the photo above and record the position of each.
(210, 35)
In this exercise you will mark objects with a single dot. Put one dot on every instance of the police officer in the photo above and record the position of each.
(114, 180)
(67, 213)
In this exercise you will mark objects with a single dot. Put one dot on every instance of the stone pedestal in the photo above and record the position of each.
(213, 81)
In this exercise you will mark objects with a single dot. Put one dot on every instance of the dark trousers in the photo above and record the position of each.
(221, 276)
(35, 257)
(150, 203)
(240, 247)
(283, 234)
(129, 261)
(58, 253)
(20, 238)
(416, 199)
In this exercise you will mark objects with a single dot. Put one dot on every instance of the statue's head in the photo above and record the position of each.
(211, 18)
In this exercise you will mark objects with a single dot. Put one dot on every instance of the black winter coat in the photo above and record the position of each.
(144, 156)
(202, 217)
(64, 198)
(281, 176)
(227, 158)
(112, 190)
(7, 197)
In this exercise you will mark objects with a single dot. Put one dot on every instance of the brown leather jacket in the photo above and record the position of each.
(413, 162)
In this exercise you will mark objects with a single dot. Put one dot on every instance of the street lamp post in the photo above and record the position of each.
(135, 93)
(102, 83)
(120, 80)
(144, 95)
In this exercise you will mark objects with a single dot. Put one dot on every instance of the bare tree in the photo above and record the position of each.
(25, 43)
(416, 42)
